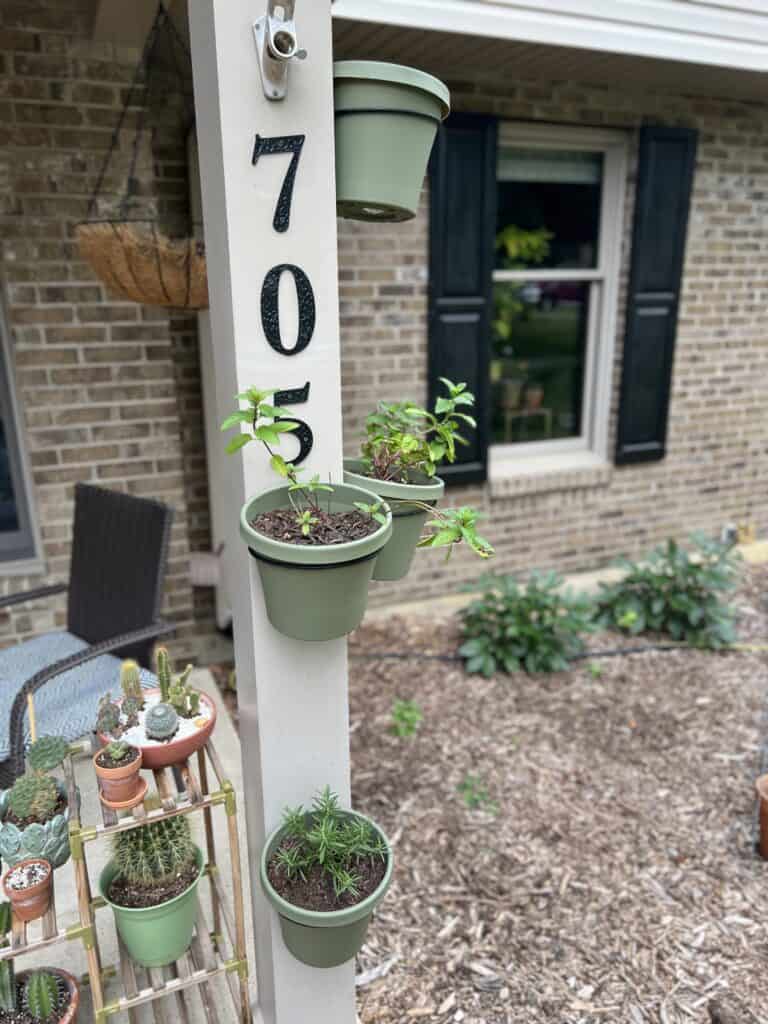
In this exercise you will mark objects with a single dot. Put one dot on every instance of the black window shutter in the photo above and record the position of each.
(665, 178)
(462, 233)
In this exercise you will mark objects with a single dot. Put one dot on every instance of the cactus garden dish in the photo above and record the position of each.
(166, 724)
(34, 812)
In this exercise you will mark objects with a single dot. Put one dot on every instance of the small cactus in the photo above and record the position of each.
(163, 673)
(154, 853)
(42, 996)
(47, 753)
(34, 795)
(130, 709)
(161, 722)
(108, 717)
(116, 751)
(7, 975)
(130, 682)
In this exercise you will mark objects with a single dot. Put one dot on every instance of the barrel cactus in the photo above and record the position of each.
(130, 682)
(154, 853)
(161, 722)
(41, 995)
(34, 796)
(47, 753)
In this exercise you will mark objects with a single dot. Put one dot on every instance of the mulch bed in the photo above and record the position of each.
(331, 527)
(124, 894)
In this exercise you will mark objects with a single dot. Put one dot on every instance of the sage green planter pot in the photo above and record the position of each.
(324, 939)
(394, 559)
(314, 592)
(155, 936)
(387, 118)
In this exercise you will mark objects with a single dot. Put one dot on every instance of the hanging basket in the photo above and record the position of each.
(143, 265)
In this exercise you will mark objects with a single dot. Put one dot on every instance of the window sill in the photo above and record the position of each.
(538, 474)
(25, 567)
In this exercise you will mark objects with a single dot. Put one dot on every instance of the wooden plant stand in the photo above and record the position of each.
(215, 951)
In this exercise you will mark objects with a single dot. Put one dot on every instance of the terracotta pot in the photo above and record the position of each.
(121, 788)
(73, 988)
(163, 755)
(761, 785)
(533, 398)
(31, 903)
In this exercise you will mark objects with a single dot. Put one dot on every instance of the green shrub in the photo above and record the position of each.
(677, 592)
(406, 718)
(536, 626)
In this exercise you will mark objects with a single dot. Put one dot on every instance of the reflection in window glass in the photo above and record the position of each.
(548, 209)
(9, 517)
(538, 359)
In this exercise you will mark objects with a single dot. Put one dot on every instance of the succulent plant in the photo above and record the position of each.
(41, 995)
(34, 795)
(130, 709)
(130, 681)
(117, 750)
(47, 753)
(7, 974)
(154, 853)
(163, 669)
(161, 722)
(108, 717)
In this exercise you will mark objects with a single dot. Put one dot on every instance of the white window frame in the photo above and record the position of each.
(591, 447)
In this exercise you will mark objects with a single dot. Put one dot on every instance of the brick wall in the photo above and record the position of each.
(718, 449)
(109, 390)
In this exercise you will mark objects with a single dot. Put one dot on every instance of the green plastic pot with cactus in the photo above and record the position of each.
(387, 117)
(151, 884)
(325, 871)
(34, 812)
(46, 996)
(403, 446)
(315, 544)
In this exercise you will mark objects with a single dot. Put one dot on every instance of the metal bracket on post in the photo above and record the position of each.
(277, 47)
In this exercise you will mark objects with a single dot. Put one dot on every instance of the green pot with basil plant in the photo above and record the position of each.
(315, 544)
(404, 444)
(325, 871)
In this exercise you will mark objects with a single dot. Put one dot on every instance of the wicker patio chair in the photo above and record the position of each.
(119, 552)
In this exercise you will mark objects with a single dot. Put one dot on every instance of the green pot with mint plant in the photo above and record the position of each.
(325, 871)
(151, 884)
(404, 444)
(315, 544)
(34, 812)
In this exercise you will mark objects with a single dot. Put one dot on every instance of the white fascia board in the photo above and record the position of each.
(696, 33)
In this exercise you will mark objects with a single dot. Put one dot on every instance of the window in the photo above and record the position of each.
(555, 282)
(18, 543)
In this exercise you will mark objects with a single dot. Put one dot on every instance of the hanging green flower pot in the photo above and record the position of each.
(330, 938)
(315, 591)
(155, 936)
(408, 515)
(387, 117)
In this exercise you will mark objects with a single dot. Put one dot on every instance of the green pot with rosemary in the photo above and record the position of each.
(403, 447)
(325, 871)
(315, 544)
(151, 884)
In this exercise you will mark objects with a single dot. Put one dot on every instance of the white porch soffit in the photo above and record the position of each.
(722, 33)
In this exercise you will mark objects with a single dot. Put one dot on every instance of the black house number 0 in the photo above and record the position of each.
(270, 290)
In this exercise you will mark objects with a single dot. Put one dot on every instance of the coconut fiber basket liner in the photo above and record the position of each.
(140, 263)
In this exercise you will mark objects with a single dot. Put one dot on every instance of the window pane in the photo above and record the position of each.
(9, 517)
(538, 360)
(548, 208)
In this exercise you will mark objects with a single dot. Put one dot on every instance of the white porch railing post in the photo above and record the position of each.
(293, 695)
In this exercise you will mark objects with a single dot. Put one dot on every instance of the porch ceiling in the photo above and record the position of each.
(455, 56)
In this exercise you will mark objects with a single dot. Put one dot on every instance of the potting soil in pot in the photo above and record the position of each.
(22, 1016)
(105, 761)
(26, 875)
(137, 737)
(124, 894)
(315, 892)
(330, 528)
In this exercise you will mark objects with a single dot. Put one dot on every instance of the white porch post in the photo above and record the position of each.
(293, 695)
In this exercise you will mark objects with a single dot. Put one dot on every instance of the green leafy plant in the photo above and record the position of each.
(41, 996)
(402, 438)
(108, 717)
(475, 795)
(130, 683)
(537, 626)
(47, 753)
(34, 795)
(595, 670)
(161, 722)
(676, 591)
(327, 838)
(7, 973)
(451, 526)
(406, 718)
(154, 854)
(374, 511)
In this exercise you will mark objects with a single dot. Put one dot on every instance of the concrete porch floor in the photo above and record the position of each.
(71, 955)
